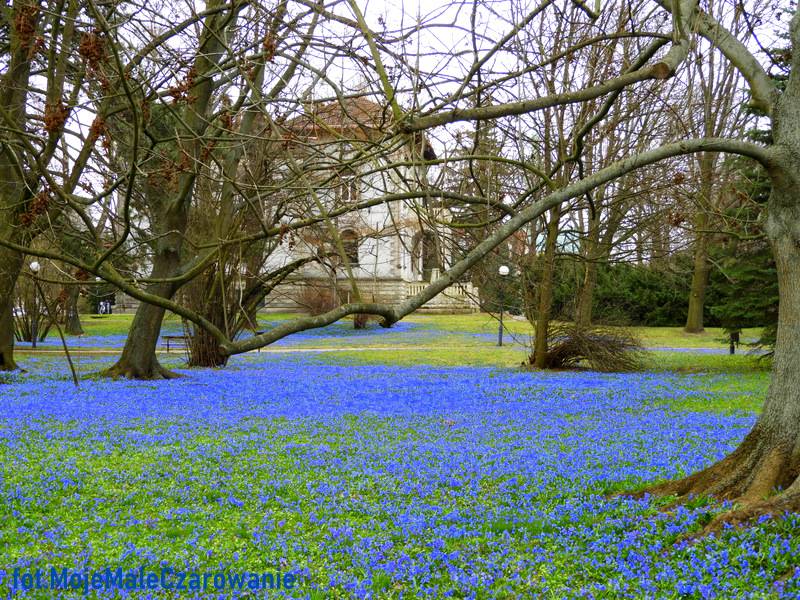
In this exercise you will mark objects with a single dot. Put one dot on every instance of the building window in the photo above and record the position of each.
(348, 188)
(350, 243)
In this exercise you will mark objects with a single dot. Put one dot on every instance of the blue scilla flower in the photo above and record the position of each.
(426, 480)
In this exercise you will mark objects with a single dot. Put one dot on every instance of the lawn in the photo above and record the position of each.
(386, 473)
(466, 333)
(668, 337)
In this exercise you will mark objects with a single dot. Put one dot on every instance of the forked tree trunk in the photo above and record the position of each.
(165, 191)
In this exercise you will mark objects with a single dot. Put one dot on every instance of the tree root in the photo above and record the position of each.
(747, 512)
(153, 371)
(749, 478)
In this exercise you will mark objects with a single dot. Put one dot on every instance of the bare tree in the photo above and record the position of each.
(40, 89)
(713, 107)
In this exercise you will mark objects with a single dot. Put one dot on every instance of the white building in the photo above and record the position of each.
(389, 250)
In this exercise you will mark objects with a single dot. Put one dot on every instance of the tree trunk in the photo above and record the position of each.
(769, 457)
(546, 291)
(204, 350)
(697, 292)
(7, 362)
(768, 460)
(583, 311)
(10, 265)
(138, 360)
(72, 320)
(660, 243)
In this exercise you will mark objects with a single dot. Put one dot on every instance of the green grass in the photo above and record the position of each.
(118, 324)
(669, 337)
(478, 356)
(676, 337)
(484, 353)
(471, 323)
(652, 337)
(106, 324)
(727, 393)
(697, 362)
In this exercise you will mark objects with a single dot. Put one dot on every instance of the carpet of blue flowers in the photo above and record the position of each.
(378, 482)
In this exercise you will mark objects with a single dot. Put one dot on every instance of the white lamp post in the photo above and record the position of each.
(503, 271)
(34, 267)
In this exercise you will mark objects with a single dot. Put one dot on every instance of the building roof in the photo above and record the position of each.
(354, 116)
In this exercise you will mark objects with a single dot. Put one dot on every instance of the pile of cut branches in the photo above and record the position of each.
(607, 349)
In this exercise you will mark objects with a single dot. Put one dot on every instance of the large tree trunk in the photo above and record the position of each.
(10, 265)
(204, 350)
(769, 457)
(138, 360)
(545, 303)
(7, 362)
(72, 319)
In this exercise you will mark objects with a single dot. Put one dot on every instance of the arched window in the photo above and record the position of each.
(350, 243)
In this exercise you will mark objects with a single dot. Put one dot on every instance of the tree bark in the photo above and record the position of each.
(72, 319)
(204, 350)
(583, 311)
(10, 265)
(768, 460)
(697, 292)
(138, 360)
(546, 291)
(7, 362)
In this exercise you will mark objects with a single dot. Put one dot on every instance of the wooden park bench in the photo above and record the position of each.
(175, 341)
(182, 341)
